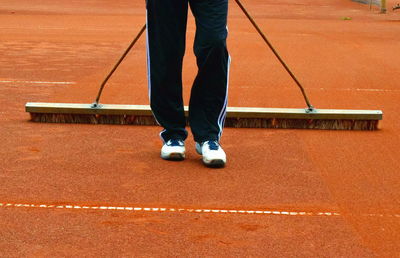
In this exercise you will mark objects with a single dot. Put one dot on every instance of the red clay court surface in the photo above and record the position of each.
(86, 190)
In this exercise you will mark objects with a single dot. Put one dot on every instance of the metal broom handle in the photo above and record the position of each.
(310, 107)
(96, 103)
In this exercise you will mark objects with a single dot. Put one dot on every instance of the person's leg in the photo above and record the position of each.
(208, 99)
(166, 32)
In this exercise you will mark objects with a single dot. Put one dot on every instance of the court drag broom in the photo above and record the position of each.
(238, 117)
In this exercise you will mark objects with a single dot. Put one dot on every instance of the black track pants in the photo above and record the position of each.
(166, 33)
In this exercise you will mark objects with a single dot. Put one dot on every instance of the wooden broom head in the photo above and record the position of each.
(237, 117)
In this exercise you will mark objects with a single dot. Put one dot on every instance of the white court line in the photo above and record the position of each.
(193, 210)
(357, 89)
(333, 89)
(36, 82)
(65, 28)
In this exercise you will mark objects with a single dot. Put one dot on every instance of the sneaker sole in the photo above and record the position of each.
(216, 163)
(174, 157)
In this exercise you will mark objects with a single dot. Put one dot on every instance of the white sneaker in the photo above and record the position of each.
(173, 150)
(212, 152)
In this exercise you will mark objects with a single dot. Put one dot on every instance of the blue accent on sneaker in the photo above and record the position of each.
(175, 142)
(213, 145)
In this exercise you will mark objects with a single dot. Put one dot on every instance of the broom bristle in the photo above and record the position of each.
(322, 124)
(93, 119)
(284, 123)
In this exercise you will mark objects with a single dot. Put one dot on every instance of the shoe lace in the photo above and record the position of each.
(174, 142)
(213, 145)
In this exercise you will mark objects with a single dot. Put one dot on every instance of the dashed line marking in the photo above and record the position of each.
(336, 89)
(64, 28)
(188, 210)
(357, 89)
(37, 82)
